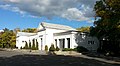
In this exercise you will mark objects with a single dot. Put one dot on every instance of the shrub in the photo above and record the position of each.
(33, 47)
(81, 49)
(29, 45)
(52, 48)
(46, 48)
(26, 45)
(57, 49)
(36, 45)
(67, 49)
(21, 47)
(0, 45)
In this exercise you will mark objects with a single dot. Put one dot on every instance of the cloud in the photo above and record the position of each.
(14, 9)
(79, 10)
(90, 21)
(74, 14)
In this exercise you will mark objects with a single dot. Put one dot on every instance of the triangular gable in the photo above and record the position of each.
(40, 27)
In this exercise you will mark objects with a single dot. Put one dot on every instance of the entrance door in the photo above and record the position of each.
(68, 41)
(62, 43)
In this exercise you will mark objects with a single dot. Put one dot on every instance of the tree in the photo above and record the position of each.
(109, 22)
(30, 30)
(8, 39)
(107, 27)
(84, 29)
(13, 41)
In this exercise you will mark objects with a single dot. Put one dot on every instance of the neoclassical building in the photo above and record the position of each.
(60, 35)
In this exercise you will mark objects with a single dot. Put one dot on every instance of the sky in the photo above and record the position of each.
(29, 13)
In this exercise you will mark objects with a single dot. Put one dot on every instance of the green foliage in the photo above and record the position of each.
(36, 45)
(46, 48)
(21, 47)
(0, 45)
(30, 30)
(108, 24)
(52, 48)
(8, 39)
(81, 49)
(57, 49)
(84, 29)
(33, 45)
(67, 49)
(29, 44)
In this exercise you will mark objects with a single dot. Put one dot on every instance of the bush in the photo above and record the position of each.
(21, 47)
(0, 45)
(26, 45)
(29, 45)
(36, 45)
(33, 47)
(52, 48)
(67, 49)
(46, 48)
(57, 49)
(81, 49)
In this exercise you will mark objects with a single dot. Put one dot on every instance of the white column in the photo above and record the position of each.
(71, 41)
(58, 43)
(66, 43)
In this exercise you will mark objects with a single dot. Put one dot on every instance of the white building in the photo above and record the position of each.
(59, 35)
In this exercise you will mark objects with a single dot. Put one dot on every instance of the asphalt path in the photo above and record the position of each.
(39, 58)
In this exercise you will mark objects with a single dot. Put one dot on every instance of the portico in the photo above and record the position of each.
(65, 39)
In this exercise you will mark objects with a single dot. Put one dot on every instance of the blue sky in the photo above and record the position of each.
(14, 15)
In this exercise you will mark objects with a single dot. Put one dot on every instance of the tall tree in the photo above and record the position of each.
(8, 39)
(107, 27)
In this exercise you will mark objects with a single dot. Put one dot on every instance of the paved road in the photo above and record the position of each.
(26, 58)
(10, 53)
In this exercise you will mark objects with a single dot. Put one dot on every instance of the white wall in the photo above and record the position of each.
(49, 36)
(19, 41)
(69, 35)
(82, 40)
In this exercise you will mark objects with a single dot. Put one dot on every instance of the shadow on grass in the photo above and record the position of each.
(49, 60)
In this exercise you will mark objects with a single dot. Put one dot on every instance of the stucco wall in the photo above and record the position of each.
(83, 40)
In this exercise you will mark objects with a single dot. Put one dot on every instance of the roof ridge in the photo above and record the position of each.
(57, 26)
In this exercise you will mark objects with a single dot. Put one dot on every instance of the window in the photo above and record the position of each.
(62, 43)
